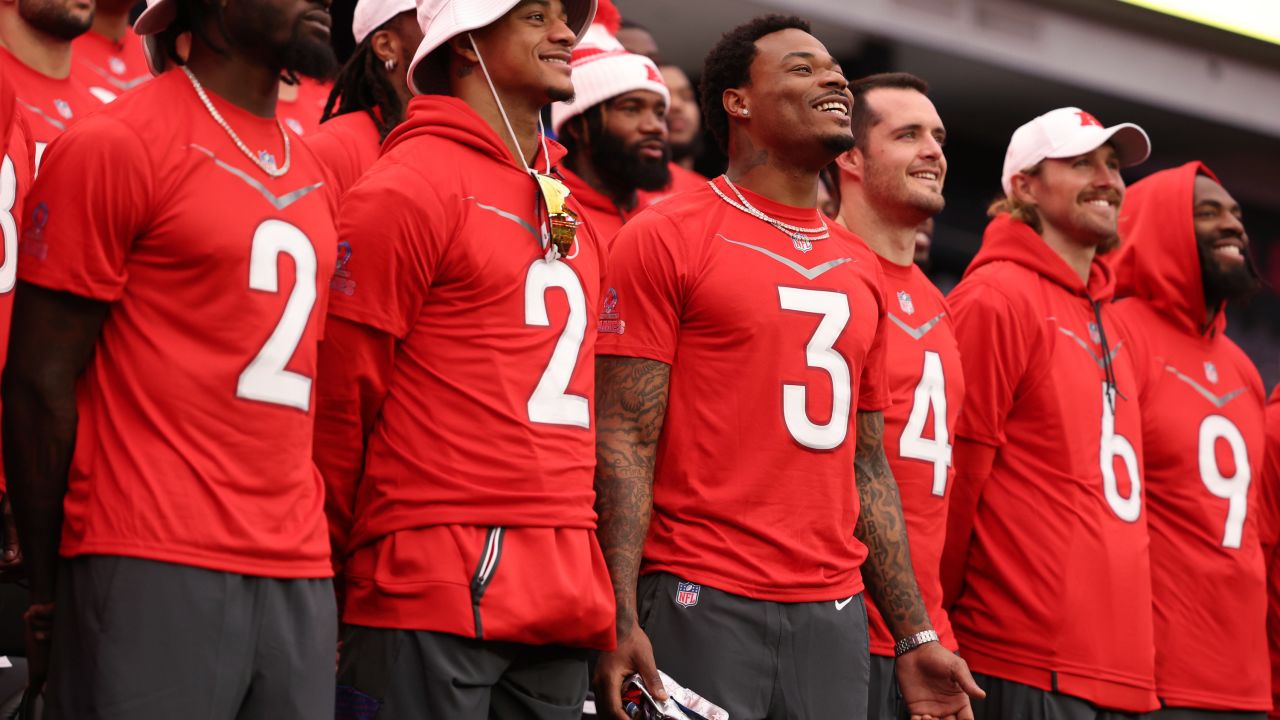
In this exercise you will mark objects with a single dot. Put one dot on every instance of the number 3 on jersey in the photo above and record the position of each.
(820, 353)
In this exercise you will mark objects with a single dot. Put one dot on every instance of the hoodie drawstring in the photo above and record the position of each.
(1109, 372)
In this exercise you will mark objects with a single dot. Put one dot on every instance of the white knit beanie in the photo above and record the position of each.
(603, 69)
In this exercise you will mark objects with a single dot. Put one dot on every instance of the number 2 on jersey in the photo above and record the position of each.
(1234, 489)
(265, 378)
(821, 354)
(551, 402)
(931, 394)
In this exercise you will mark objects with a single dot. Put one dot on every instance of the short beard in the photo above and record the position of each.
(1231, 285)
(308, 57)
(50, 18)
(623, 170)
(838, 144)
(558, 95)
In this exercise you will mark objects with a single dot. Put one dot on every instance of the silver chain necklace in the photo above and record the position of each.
(268, 167)
(801, 238)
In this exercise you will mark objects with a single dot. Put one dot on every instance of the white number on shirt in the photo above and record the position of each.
(931, 394)
(265, 379)
(550, 402)
(1117, 446)
(821, 354)
(1234, 489)
(8, 225)
(40, 147)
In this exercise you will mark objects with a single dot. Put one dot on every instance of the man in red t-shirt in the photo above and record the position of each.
(741, 471)
(890, 182)
(1269, 532)
(159, 387)
(1046, 570)
(455, 431)
(109, 58)
(35, 54)
(614, 130)
(370, 92)
(1185, 257)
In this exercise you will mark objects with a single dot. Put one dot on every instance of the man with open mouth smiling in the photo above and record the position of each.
(1185, 257)
(1045, 569)
(614, 129)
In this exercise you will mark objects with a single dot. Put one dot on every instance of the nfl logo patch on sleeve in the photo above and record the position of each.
(687, 594)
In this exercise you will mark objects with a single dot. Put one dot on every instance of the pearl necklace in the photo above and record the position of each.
(801, 238)
(267, 167)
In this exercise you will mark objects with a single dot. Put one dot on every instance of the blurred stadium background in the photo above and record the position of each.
(1201, 76)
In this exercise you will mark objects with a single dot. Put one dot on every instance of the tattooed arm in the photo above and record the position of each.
(631, 404)
(934, 682)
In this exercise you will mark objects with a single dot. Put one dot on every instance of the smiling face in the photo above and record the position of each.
(527, 51)
(1077, 197)
(798, 100)
(1222, 244)
(903, 165)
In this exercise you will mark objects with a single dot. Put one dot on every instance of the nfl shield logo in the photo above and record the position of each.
(63, 108)
(1094, 334)
(904, 301)
(687, 594)
(1210, 372)
(117, 65)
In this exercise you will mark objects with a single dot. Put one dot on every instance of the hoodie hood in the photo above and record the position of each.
(1013, 241)
(1158, 260)
(452, 119)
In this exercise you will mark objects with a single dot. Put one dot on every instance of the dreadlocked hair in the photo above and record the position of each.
(362, 86)
(193, 16)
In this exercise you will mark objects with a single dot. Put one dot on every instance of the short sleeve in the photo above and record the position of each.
(873, 385)
(641, 311)
(77, 241)
(387, 252)
(993, 353)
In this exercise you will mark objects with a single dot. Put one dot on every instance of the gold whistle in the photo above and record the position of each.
(563, 221)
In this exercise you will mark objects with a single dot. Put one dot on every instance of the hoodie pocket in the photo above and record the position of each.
(486, 568)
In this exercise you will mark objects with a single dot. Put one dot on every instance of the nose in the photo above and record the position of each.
(1232, 223)
(1105, 176)
(653, 122)
(561, 33)
(835, 80)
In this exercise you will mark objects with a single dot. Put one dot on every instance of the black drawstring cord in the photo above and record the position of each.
(1109, 372)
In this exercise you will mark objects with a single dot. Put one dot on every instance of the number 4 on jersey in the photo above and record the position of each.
(930, 395)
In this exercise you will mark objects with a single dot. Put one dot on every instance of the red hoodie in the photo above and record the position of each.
(1047, 542)
(1202, 437)
(455, 396)
(1269, 526)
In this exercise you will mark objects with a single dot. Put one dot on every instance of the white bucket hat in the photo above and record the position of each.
(156, 17)
(371, 14)
(1068, 132)
(442, 20)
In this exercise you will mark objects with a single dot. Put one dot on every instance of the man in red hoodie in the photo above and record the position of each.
(1046, 560)
(890, 182)
(455, 431)
(1185, 257)
(614, 129)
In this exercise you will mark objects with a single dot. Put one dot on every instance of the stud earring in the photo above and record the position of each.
(745, 112)
(390, 63)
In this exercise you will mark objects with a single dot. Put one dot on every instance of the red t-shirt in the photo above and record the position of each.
(1202, 436)
(107, 67)
(50, 105)
(301, 111)
(194, 440)
(347, 145)
(926, 386)
(1057, 583)
(16, 170)
(1269, 524)
(772, 352)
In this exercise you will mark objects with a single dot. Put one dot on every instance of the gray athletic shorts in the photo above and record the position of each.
(759, 660)
(884, 700)
(412, 675)
(1194, 714)
(143, 640)
(1008, 700)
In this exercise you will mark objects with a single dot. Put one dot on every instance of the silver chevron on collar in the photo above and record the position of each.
(808, 273)
(1219, 401)
(278, 202)
(1102, 363)
(917, 332)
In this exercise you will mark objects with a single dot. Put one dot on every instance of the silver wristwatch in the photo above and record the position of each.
(911, 642)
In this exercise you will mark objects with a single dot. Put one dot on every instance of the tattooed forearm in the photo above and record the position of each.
(631, 403)
(887, 572)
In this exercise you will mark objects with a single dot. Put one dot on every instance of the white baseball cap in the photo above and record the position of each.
(156, 17)
(1067, 132)
(371, 14)
(442, 20)
(603, 69)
